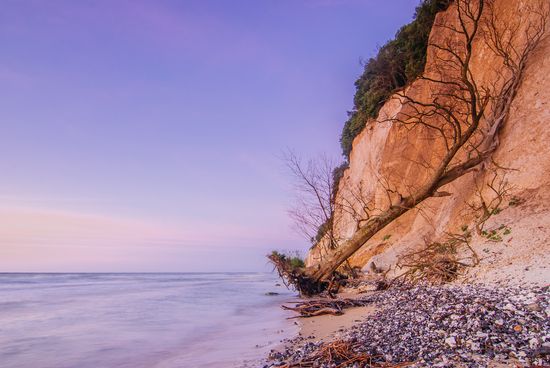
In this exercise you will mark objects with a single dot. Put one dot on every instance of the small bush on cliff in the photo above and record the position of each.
(292, 259)
(398, 62)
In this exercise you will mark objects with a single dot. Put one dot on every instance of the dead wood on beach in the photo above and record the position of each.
(319, 307)
(341, 353)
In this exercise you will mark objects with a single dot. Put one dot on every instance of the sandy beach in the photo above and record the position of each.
(327, 327)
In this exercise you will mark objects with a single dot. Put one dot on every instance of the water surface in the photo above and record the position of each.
(139, 320)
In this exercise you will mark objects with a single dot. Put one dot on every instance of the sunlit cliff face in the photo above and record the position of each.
(523, 148)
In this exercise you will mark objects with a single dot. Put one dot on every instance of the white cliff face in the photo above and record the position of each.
(386, 150)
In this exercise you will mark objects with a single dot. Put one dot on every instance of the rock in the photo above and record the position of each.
(544, 350)
(450, 341)
(535, 307)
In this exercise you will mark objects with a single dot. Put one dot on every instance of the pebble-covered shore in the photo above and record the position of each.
(445, 326)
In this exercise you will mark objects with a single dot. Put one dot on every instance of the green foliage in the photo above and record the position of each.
(296, 262)
(292, 259)
(321, 231)
(397, 63)
(337, 175)
(386, 237)
(496, 234)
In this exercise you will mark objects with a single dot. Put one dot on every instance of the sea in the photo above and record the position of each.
(153, 320)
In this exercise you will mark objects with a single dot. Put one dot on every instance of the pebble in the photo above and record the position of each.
(447, 326)
(451, 341)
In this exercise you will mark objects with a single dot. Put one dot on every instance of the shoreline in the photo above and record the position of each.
(450, 325)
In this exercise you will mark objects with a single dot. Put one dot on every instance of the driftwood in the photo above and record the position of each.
(342, 353)
(312, 308)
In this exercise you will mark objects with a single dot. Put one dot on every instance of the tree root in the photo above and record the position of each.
(296, 278)
(341, 353)
(438, 263)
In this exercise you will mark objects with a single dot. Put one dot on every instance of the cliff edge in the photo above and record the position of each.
(513, 243)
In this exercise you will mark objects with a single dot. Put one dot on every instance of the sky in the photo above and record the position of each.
(146, 136)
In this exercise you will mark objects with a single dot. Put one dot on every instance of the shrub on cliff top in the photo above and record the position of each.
(292, 259)
(397, 63)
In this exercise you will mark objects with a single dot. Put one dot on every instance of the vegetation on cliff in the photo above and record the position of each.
(459, 111)
(397, 63)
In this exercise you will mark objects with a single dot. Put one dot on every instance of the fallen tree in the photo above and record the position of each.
(461, 113)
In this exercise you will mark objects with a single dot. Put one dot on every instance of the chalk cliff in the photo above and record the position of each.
(387, 154)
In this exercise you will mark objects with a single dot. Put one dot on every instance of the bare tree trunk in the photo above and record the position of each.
(455, 110)
(445, 172)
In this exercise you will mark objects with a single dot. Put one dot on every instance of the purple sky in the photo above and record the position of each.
(146, 135)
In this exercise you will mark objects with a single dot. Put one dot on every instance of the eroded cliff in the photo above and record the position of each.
(515, 240)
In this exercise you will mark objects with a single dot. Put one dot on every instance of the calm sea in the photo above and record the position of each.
(182, 320)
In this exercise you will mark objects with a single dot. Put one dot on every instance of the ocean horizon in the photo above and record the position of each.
(140, 319)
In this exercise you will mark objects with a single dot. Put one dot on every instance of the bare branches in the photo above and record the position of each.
(438, 263)
(463, 112)
(489, 198)
(513, 48)
(314, 200)
(455, 108)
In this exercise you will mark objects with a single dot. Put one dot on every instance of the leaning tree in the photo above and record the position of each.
(461, 112)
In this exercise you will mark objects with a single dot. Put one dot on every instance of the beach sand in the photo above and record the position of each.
(326, 326)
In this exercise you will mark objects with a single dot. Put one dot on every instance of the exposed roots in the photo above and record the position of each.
(438, 263)
(341, 353)
(295, 277)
